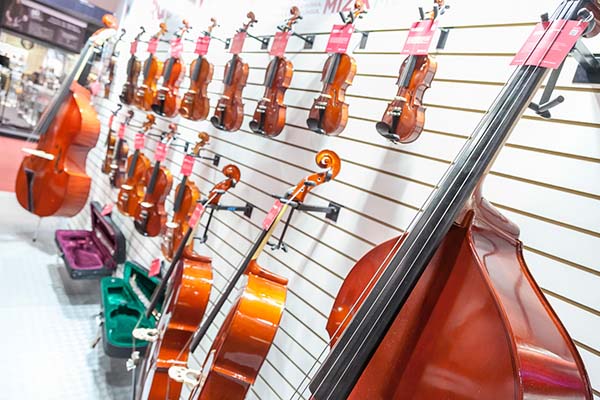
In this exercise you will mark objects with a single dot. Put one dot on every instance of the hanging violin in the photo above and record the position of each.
(118, 163)
(132, 191)
(111, 141)
(150, 216)
(329, 113)
(134, 67)
(243, 341)
(195, 104)
(190, 283)
(166, 101)
(449, 310)
(112, 64)
(144, 95)
(229, 112)
(51, 179)
(269, 117)
(404, 117)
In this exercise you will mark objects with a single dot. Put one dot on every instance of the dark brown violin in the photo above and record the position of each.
(112, 64)
(166, 100)
(269, 117)
(118, 165)
(111, 141)
(134, 67)
(195, 104)
(52, 179)
(329, 113)
(229, 112)
(404, 117)
(450, 310)
(144, 95)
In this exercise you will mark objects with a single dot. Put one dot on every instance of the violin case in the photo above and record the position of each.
(95, 253)
(122, 309)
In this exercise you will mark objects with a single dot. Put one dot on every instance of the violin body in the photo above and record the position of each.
(132, 191)
(329, 113)
(188, 297)
(118, 166)
(174, 231)
(145, 94)
(111, 144)
(166, 101)
(111, 76)
(405, 115)
(195, 104)
(229, 112)
(134, 67)
(269, 117)
(476, 326)
(60, 186)
(150, 215)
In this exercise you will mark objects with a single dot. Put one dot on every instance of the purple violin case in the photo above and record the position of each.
(95, 253)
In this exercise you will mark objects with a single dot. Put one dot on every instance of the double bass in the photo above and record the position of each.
(449, 310)
(111, 141)
(229, 112)
(144, 95)
(118, 162)
(134, 67)
(51, 179)
(195, 104)
(329, 113)
(269, 117)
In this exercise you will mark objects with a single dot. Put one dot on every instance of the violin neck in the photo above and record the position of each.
(231, 70)
(272, 71)
(153, 179)
(134, 161)
(407, 71)
(333, 67)
(179, 194)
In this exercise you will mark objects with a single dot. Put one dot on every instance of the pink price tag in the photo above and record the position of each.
(272, 214)
(339, 39)
(195, 217)
(139, 141)
(154, 268)
(176, 47)
(133, 48)
(107, 209)
(110, 120)
(188, 165)
(95, 87)
(202, 45)
(419, 38)
(122, 131)
(237, 43)
(160, 154)
(280, 44)
(152, 45)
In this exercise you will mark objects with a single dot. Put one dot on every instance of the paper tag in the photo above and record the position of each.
(419, 38)
(160, 154)
(237, 43)
(139, 141)
(339, 39)
(280, 44)
(121, 133)
(272, 214)
(133, 48)
(202, 45)
(195, 217)
(154, 268)
(110, 121)
(107, 209)
(188, 165)
(176, 47)
(95, 87)
(152, 45)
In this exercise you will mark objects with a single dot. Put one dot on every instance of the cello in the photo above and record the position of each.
(190, 283)
(144, 95)
(269, 117)
(134, 67)
(245, 337)
(329, 113)
(137, 164)
(118, 163)
(229, 112)
(111, 141)
(195, 104)
(404, 117)
(51, 179)
(450, 310)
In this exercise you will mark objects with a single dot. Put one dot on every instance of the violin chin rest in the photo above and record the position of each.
(216, 121)
(383, 128)
(313, 125)
(255, 127)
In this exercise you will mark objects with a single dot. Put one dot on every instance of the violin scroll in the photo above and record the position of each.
(213, 25)
(324, 159)
(593, 7)
(203, 140)
(110, 21)
(295, 11)
(233, 175)
(251, 21)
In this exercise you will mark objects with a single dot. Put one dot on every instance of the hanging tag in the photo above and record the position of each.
(133, 48)
(195, 217)
(110, 121)
(237, 43)
(95, 87)
(139, 141)
(280, 44)
(121, 133)
(152, 45)
(107, 209)
(339, 39)
(202, 45)
(154, 268)
(160, 154)
(272, 214)
(187, 165)
(176, 47)
(419, 38)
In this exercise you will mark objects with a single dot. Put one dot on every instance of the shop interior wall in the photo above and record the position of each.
(546, 179)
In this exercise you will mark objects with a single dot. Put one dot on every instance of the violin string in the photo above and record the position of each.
(384, 264)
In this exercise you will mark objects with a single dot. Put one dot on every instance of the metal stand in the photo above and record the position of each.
(216, 159)
(37, 231)
(247, 210)
(349, 19)
(264, 41)
(309, 40)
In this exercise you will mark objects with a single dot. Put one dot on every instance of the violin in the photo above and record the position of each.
(51, 179)
(150, 216)
(112, 64)
(404, 116)
(195, 104)
(190, 279)
(111, 141)
(269, 117)
(134, 67)
(166, 101)
(329, 113)
(229, 112)
(187, 195)
(246, 335)
(118, 163)
(144, 95)
(449, 310)
(132, 191)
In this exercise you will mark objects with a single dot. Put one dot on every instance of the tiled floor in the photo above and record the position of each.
(48, 320)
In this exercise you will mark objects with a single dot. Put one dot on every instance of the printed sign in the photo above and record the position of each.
(195, 217)
(272, 214)
(133, 48)
(280, 44)
(152, 45)
(160, 154)
(202, 45)
(339, 39)
(419, 38)
(139, 141)
(237, 43)
(107, 209)
(176, 47)
(121, 131)
(154, 268)
(188, 165)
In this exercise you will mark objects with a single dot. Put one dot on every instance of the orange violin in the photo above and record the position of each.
(118, 162)
(111, 141)
(134, 67)
(112, 64)
(144, 95)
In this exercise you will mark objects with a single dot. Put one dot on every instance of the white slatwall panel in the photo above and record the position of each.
(546, 179)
